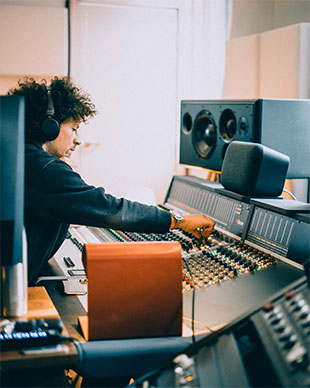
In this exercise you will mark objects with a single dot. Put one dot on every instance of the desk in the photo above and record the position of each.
(103, 361)
(38, 368)
(96, 360)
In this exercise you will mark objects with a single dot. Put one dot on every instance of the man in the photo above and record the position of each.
(56, 196)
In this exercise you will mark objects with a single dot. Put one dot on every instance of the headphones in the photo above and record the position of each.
(50, 126)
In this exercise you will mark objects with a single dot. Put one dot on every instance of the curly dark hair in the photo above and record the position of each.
(70, 102)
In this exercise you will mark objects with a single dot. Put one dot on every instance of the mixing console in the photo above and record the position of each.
(204, 262)
(268, 348)
(225, 262)
(252, 250)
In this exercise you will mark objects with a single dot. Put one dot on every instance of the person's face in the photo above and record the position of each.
(66, 141)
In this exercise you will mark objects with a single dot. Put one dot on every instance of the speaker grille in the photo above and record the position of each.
(241, 167)
(254, 170)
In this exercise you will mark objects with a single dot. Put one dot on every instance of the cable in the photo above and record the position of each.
(66, 339)
(291, 194)
(193, 304)
(69, 37)
(193, 300)
(203, 326)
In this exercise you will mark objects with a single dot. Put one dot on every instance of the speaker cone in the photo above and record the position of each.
(228, 125)
(204, 134)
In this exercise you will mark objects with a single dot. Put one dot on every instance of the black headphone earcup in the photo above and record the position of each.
(50, 128)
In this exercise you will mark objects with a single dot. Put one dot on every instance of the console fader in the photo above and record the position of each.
(249, 256)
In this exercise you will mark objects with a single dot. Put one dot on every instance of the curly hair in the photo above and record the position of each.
(70, 102)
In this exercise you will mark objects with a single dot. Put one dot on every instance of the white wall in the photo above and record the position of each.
(33, 40)
(128, 63)
(138, 59)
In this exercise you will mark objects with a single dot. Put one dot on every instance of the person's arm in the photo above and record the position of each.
(59, 193)
(63, 195)
(197, 224)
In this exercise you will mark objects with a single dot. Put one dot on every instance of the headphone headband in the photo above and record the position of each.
(50, 111)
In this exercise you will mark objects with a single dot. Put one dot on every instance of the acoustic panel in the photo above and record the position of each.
(241, 68)
(284, 57)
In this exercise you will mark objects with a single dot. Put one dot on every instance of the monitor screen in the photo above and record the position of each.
(12, 128)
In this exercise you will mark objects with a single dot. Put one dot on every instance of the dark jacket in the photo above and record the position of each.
(56, 196)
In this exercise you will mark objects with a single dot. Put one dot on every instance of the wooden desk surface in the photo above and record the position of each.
(40, 304)
(65, 355)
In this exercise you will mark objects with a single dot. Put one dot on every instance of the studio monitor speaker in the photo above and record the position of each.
(209, 126)
(254, 170)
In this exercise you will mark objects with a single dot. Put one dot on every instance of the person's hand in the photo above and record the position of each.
(198, 224)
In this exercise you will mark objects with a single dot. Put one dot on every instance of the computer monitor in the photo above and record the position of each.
(13, 277)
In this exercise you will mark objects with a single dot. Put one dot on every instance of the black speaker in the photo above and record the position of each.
(254, 170)
(50, 126)
(209, 126)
